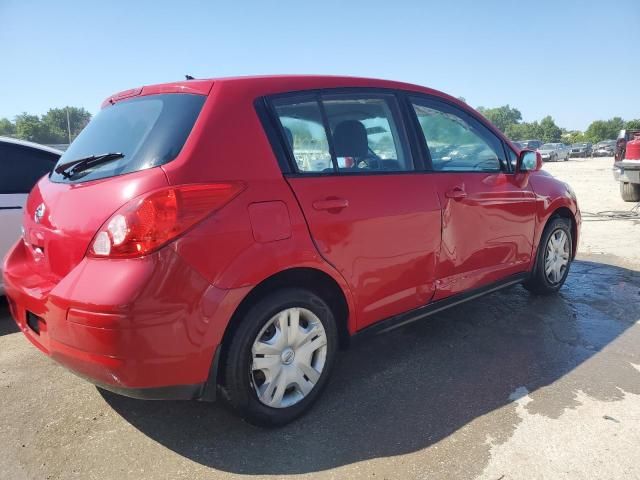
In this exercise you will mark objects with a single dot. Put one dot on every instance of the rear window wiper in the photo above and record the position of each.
(69, 169)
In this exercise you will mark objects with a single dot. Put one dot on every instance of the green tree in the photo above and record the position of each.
(604, 129)
(7, 127)
(632, 124)
(574, 136)
(502, 117)
(524, 131)
(30, 127)
(56, 120)
(550, 132)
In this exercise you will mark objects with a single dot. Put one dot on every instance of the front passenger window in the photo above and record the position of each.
(456, 143)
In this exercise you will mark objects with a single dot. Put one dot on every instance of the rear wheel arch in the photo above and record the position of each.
(314, 280)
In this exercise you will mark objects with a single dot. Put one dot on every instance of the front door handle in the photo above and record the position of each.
(331, 204)
(456, 193)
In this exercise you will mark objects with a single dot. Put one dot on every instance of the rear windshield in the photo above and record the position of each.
(149, 131)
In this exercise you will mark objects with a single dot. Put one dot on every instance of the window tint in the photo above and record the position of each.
(305, 134)
(149, 131)
(365, 132)
(457, 142)
(22, 167)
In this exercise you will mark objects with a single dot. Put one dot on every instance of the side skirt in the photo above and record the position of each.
(435, 307)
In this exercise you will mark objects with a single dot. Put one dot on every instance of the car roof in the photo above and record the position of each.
(274, 84)
(25, 143)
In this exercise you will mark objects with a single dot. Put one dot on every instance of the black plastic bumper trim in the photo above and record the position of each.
(174, 392)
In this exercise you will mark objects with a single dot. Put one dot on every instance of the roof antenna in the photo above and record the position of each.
(189, 77)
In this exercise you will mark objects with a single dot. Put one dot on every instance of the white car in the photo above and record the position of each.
(22, 164)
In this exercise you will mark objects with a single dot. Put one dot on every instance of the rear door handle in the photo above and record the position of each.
(456, 193)
(331, 204)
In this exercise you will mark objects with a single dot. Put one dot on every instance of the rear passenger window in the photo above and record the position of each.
(365, 133)
(456, 142)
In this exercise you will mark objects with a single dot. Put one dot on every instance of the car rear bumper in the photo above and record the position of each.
(146, 328)
(627, 171)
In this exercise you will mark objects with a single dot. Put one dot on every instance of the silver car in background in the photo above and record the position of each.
(554, 152)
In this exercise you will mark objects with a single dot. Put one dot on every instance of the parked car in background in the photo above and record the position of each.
(626, 167)
(237, 237)
(21, 166)
(554, 152)
(605, 148)
(624, 137)
(531, 144)
(584, 149)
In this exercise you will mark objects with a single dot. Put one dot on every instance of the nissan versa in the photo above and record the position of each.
(230, 235)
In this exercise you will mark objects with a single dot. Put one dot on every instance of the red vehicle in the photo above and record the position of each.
(232, 234)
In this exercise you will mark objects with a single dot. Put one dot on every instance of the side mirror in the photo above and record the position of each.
(529, 161)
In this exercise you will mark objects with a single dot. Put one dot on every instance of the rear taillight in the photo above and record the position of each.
(150, 221)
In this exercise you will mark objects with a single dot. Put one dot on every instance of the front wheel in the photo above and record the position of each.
(280, 357)
(553, 258)
(630, 192)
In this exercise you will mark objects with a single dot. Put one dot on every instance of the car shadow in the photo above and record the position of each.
(408, 389)
(7, 325)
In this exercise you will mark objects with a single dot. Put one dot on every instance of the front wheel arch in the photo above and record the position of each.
(538, 281)
(564, 212)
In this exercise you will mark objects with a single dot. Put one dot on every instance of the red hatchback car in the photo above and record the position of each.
(230, 235)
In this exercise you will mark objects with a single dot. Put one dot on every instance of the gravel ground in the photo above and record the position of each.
(509, 386)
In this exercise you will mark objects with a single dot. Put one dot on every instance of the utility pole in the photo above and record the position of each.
(68, 125)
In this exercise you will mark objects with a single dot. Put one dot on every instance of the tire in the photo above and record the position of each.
(630, 192)
(289, 400)
(540, 281)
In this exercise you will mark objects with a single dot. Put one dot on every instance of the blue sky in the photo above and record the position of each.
(564, 58)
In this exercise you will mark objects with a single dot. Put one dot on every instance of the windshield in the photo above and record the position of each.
(579, 145)
(148, 131)
(548, 146)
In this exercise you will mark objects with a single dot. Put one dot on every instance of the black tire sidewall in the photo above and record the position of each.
(538, 281)
(238, 383)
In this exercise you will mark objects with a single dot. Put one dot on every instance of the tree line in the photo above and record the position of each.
(509, 120)
(54, 127)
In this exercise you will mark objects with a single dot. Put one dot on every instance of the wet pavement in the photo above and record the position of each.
(509, 386)
(442, 398)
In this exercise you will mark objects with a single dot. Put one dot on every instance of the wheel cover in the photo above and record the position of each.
(288, 356)
(557, 255)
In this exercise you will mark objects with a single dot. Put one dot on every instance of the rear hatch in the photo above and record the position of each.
(66, 209)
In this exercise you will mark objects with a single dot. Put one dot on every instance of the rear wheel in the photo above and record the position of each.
(630, 192)
(553, 258)
(280, 357)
